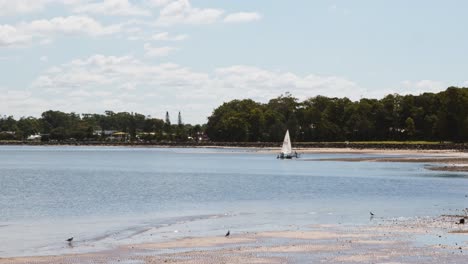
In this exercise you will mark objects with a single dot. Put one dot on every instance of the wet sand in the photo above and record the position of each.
(452, 161)
(416, 240)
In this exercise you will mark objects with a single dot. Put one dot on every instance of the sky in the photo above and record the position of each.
(153, 56)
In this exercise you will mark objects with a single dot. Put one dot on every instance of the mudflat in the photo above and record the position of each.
(402, 240)
(436, 160)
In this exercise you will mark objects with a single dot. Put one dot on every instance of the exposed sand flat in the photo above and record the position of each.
(456, 162)
(298, 248)
(381, 151)
(450, 168)
(453, 160)
(382, 241)
(310, 235)
(449, 153)
(193, 242)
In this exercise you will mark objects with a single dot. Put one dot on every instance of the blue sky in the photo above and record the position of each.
(153, 56)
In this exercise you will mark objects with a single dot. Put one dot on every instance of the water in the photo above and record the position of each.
(107, 196)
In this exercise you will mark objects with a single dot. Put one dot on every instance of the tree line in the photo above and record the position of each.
(439, 116)
(60, 126)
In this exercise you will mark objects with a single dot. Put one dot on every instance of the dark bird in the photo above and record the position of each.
(70, 239)
(371, 213)
(228, 233)
(462, 221)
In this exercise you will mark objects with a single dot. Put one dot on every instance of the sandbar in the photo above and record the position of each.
(410, 240)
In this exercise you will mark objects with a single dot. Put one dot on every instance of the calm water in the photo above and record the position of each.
(110, 196)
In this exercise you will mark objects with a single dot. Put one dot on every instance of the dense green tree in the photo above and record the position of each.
(410, 128)
(238, 120)
(28, 126)
(442, 116)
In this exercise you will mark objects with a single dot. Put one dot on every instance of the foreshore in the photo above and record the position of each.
(401, 240)
(436, 160)
(443, 146)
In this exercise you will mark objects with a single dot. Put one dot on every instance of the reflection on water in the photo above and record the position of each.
(107, 195)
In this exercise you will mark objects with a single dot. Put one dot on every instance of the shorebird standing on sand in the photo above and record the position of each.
(228, 233)
(70, 240)
(371, 213)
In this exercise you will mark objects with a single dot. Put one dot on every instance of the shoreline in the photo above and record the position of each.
(460, 147)
(270, 148)
(415, 240)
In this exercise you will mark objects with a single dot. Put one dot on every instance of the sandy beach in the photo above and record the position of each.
(403, 240)
(437, 160)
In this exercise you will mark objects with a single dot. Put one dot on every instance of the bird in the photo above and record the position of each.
(70, 240)
(228, 233)
(462, 221)
(371, 213)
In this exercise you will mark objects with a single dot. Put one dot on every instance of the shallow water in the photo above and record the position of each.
(106, 196)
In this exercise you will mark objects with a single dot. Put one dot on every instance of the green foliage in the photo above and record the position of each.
(179, 120)
(72, 127)
(238, 120)
(410, 128)
(427, 117)
(442, 116)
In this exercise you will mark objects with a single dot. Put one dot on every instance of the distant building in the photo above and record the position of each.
(36, 137)
(104, 132)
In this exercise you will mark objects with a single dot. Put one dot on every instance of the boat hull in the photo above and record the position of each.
(287, 156)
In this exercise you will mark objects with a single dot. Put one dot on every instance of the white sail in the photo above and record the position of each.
(286, 149)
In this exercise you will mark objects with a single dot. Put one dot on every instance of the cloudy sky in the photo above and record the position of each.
(153, 56)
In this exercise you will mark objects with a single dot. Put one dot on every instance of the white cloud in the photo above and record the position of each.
(407, 87)
(43, 29)
(45, 41)
(418, 87)
(21, 102)
(68, 25)
(15, 7)
(164, 36)
(44, 59)
(264, 84)
(10, 36)
(151, 51)
(125, 83)
(112, 7)
(159, 3)
(242, 17)
(181, 12)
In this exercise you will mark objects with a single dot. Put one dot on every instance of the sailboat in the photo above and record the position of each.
(286, 149)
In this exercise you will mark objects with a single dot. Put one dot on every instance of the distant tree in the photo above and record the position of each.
(8, 124)
(167, 126)
(179, 120)
(236, 121)
(167, 120)
(410, 128)
(28, 126)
